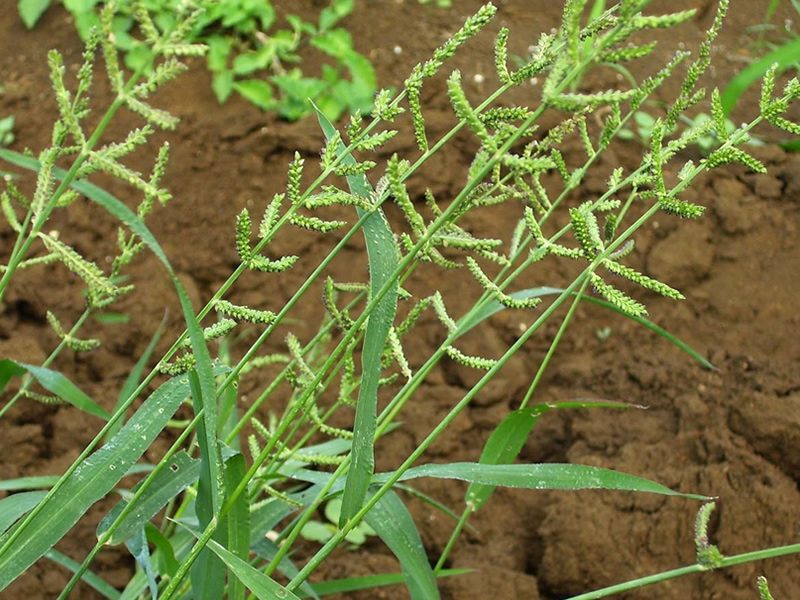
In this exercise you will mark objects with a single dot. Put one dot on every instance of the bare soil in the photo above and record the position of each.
(732, 433)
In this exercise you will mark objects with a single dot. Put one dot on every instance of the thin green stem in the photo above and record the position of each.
(554, 344)
(682, 571)
(462, 521)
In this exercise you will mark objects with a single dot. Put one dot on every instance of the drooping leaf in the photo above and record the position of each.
(508, 438)
(494, 307)
(137, 546)
(54, 382)
(368, 582)
(785, 56)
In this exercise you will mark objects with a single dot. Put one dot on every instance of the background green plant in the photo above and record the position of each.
(250, 51)
(220, 511)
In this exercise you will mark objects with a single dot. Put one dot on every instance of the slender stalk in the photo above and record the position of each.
(689, 570)
(554, 344)
(462, 521)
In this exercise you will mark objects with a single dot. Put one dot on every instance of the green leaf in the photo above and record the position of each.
(785, 56)
(328, 17)
(219, 49)
(96, 582)
(238, 519)
(338, 43)
(180, 472)
(32, 10)
(164, 546)
(508, 438)
(28, 483)
(222, 84)
(204, 392)
(547, 476)
(316, 531)
(135, 376)
(208, 571)
(94, 478)
(268, 550)
(393, 523)
(256, 91)
(16, 505)
(54, 382)
(495, 307)
(368, 582)
(383, 256)
(262, 586)
(245, 64)
(137, 546)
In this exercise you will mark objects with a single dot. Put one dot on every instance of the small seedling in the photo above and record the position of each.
(318, 531)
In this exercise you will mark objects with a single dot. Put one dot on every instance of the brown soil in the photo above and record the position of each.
(727, 433)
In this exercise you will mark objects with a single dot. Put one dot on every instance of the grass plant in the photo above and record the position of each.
(220, 512)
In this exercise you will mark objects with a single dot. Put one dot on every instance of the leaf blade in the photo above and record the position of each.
(383, 257)
(56, 383)
(393, 523)
(262, 586)
(94, 478)
(550, 476)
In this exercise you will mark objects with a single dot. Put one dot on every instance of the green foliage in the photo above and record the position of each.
(200, 522)
(318, 531)
(250, 51)
(773, 46)
(7, 130)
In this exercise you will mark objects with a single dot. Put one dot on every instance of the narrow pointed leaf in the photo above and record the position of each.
(508, 438)
(16, 505)
(28, 483)
(119, 210)
(368, 582)
(179, 473)
(203, 386)
(268, 550)
(137, 546)
(383, 256)
(262, 586)
(393, 523)
(238, 519)
(546, 476)
(95, 581)
(785, 56)
(94, 478)
(53, 382)
(494, 307)
(164, 546)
